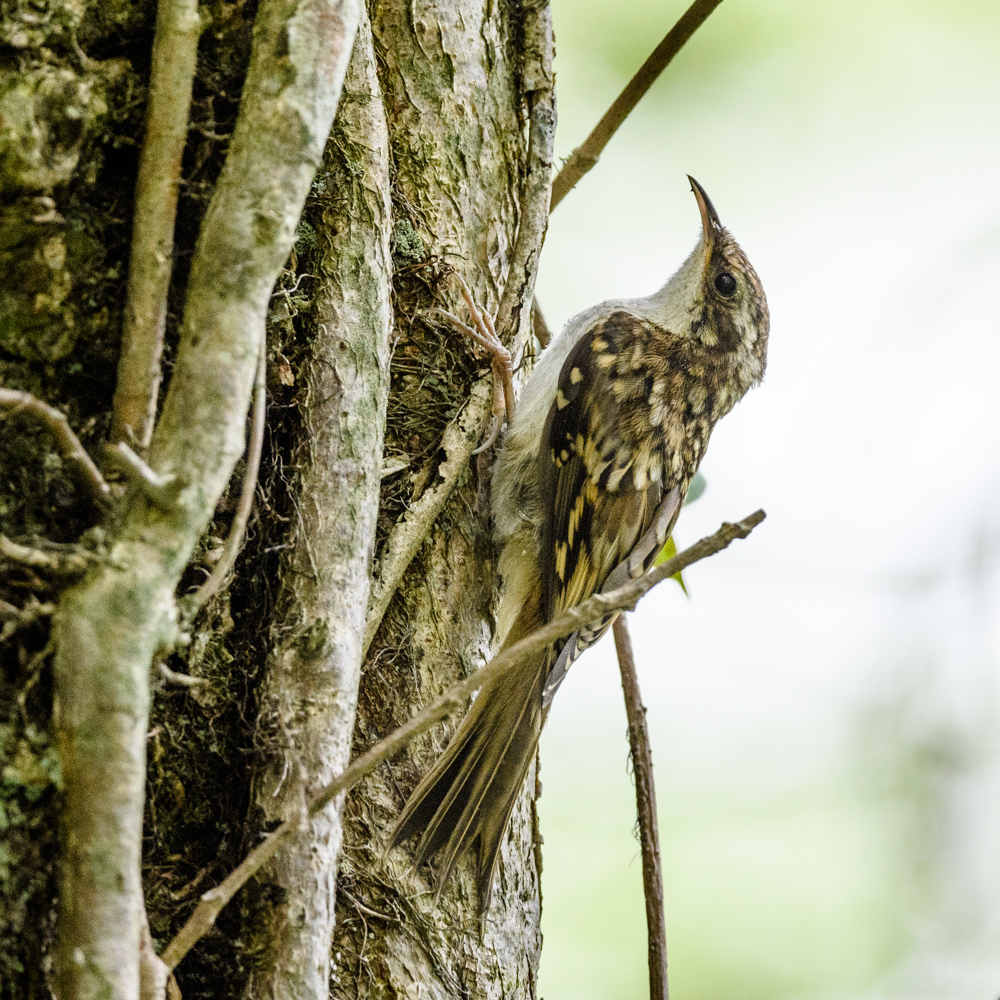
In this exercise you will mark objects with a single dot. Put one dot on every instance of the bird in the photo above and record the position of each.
(609, 431)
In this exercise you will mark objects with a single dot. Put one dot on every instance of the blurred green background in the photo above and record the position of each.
(824, 708)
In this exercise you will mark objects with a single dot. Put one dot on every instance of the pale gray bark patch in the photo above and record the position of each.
(454, 108)
(310, 689)
(455, 129)
(109, 626)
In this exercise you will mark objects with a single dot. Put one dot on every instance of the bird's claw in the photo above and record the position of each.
(483, 333)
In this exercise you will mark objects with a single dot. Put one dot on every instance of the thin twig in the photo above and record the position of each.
(162, 491)
(589, 611)
(153, 974)
(181, 680)
(175, 51)
(34, 670)
(540, 328)
(645, 804)
(583, 158)
(24, 555)
(13, 402)
(237, 529)
(67, 564)
(537, 51)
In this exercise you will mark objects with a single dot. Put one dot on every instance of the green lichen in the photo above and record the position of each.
(50, 112)
(305, 237)
(313, 641)
(407, 246)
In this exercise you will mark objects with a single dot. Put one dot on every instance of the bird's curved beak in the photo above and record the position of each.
(711, 227)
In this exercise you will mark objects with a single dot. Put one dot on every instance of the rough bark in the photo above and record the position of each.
(309, 695)
(65, 182)
(451, 79)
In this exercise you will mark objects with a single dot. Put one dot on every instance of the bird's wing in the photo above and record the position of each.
(603, 472)
(639, 560)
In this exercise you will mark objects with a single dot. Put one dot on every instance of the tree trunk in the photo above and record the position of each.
(423, 172)
(451, 87)
(309, 691)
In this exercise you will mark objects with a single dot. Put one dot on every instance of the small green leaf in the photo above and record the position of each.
(695, 490)
(667, 553)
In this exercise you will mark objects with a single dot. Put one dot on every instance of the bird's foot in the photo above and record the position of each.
(484, 335)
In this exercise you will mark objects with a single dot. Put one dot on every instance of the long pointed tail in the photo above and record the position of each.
(470, 792)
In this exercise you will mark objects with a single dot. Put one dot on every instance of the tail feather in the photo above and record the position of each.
(470, 792)
(508, 746)
(511, 774)
(446, 826)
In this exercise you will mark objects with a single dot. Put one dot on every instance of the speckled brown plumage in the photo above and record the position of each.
(607, 436)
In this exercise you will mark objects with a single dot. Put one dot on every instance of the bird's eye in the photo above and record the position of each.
(725, 284)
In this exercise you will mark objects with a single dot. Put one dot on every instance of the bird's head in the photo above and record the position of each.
(716, 298)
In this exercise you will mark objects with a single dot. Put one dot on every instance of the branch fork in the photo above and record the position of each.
(161, 491)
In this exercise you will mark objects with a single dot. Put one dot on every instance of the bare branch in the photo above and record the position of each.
(14, 402)
(180, 680)
(60, 563)
(585, 156)
(163, 491)
(238, 529)
(27, 556)
(153, 974)
(541, 329)
(645, 802)
(591, 610)
(14, 618)
(175, 52)
(307, 696)
(515, 303)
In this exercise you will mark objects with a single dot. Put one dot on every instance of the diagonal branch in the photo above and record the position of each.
(645, 802)
(591, 610)
(175, 53)
(585, 156)
(13, 402)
